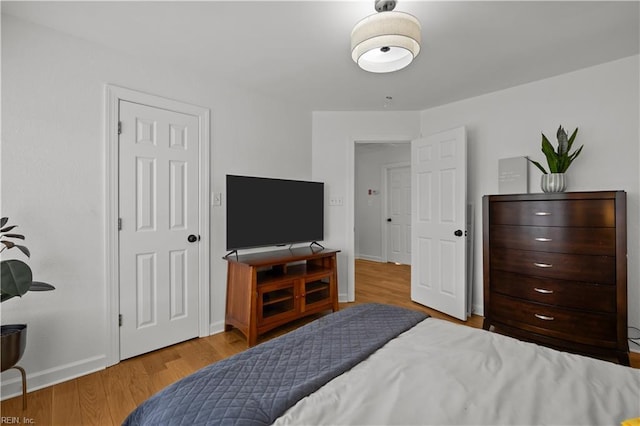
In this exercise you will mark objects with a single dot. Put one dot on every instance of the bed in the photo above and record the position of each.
(379, 364)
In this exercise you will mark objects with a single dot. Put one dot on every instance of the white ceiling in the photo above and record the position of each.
(299, 51)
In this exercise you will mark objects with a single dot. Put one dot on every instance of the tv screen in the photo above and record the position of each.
(267, 212)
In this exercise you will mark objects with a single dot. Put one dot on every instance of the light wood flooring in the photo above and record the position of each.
(108, 396)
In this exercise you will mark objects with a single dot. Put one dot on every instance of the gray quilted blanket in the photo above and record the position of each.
(258, 385)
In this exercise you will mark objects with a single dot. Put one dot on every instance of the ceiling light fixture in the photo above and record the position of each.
(386, 41)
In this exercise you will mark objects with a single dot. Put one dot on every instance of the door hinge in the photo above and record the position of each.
(119, 127)
(120, 320)
(119, 224)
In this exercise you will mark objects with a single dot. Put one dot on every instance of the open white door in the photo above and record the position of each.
(439, 210)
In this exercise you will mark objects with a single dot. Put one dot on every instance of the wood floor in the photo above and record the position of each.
(108, 396)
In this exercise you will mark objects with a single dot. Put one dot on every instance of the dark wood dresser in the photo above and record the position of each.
(555, 270)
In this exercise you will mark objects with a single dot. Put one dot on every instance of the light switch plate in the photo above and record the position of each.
(335, 201)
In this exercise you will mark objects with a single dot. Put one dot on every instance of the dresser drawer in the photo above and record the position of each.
(596, 241)
(573, 267)
(570, 325)
(567, 294)
(580, 213)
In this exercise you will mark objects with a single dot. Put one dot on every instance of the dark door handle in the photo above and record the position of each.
(458, 233)
(193, 238)
(388, 219)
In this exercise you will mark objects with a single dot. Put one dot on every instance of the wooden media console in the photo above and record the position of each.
(269, 289)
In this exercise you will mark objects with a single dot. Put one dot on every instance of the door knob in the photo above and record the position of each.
(458, 233)
(193, 238)
(388, 219)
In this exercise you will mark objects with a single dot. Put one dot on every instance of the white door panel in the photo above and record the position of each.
(159, 210)
(399, 214)
(438, 272)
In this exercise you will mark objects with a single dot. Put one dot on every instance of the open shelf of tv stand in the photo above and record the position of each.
(268, 289)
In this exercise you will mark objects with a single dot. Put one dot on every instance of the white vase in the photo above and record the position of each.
(553, 182)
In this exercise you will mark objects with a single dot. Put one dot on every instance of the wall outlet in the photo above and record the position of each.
(335, 201)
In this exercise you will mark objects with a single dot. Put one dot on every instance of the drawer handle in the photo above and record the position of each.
(542, 214)
(544, 317)
(543, 265)
(543, 290)
(543, 240)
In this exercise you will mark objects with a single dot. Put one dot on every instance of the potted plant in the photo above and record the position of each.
(558, 160)
(16, 279)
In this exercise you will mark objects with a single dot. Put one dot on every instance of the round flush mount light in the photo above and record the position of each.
(386, 41)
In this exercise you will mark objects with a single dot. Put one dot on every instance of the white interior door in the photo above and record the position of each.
(399, 215)
(438, 265)
(158, 240)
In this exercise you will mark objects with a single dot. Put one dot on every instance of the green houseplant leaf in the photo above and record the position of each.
(550, 154)
(10, 244)
(558, 159)
(538, 165)
(571, 139)
(563, 142)
(16, 278)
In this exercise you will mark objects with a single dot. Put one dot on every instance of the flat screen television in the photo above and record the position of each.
(265, 212)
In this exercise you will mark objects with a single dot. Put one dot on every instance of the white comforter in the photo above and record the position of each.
(441, 373)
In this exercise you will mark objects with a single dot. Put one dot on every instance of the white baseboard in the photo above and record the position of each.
(371, 258)
(343, 298)
(42, 379)
(216, 327)
(477, 310)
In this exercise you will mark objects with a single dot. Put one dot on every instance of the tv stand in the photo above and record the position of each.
(268, 289)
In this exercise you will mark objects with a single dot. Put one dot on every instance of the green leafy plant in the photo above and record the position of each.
(559, 159)
(16, 277)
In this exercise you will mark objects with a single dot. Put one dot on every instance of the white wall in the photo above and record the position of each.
(369, 208)
(603, 101)
(53, 180)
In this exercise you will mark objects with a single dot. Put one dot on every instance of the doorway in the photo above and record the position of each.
(438, 183)
(372, 161)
